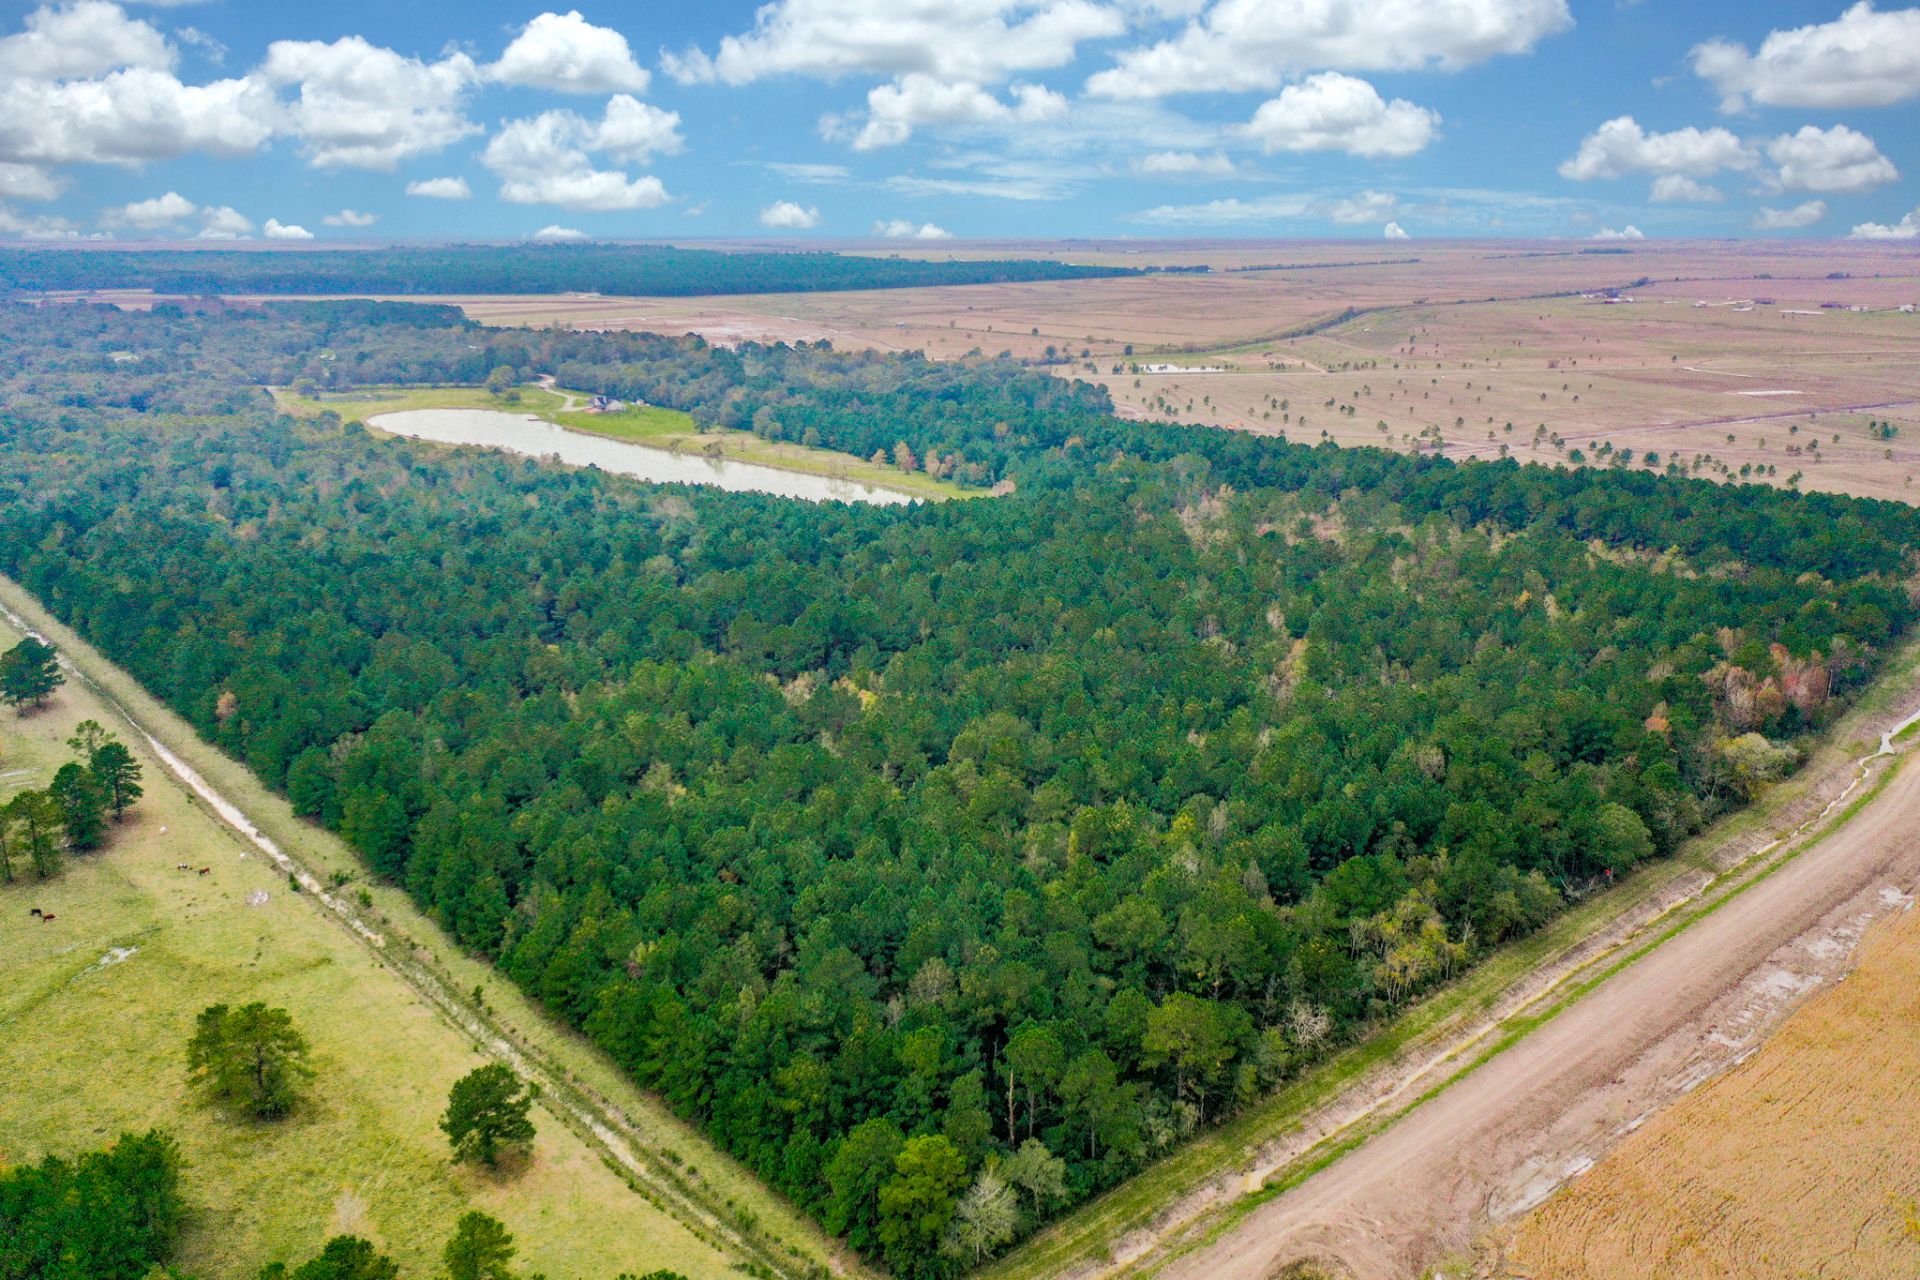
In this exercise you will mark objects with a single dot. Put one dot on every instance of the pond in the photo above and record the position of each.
(520, 433)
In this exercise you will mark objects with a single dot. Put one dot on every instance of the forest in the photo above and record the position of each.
(945, 863)
(659, 270)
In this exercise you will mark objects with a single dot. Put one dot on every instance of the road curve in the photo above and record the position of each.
(1502, 1138)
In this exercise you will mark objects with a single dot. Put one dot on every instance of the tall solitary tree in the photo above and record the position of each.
(341, 1258)
(33, 829)
(481, 1249)
(251, 1056)
(29, 673)
(487, 1113)
(83, 805)
(110, 763)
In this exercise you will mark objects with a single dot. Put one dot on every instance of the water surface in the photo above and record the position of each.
(521, 433)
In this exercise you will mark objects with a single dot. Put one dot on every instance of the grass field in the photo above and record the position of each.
(1802, 1161)
(647, 425)
(89, 1050)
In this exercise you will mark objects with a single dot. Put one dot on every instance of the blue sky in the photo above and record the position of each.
(923, 119)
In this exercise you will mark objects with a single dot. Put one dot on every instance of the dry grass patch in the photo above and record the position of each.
(1803, 1161)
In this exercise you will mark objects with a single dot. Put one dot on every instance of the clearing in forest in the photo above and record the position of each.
(642, 424)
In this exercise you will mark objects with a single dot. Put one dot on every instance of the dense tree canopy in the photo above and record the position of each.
(947, 862)
(592, 268)
(106, 1215)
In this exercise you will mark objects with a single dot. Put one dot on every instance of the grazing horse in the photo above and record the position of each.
(45, 916)
(206, 871)
(36, 912)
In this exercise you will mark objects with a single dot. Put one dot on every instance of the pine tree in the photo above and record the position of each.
(487, 1111)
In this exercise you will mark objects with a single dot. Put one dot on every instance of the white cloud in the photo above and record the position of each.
(278, 230)
(210, 49)
(564, 53)
(29, 182)
(555, 234)
(1230, 212)
(635, 131)
(1007, 186)
(350, 218)
(364, 107)
(1620, 147)
(906, 229)
(820, 174)
(1678, 188)
(1184, 164)
(1829, 160)
(1366, 208)
(15, 227)
(440, 188)
(785, 215)
(129, 117)
(81, 40)
(544, 159)
(224, 223)
(1804, 215)
(1363, 209)
(1335, 112)
(1905, 229)
(1863, 58)
(1393, 231)
(587, 190)
(158, 211)
(895, 110)
(1256, 44)
(1628, 232)
(976, 41)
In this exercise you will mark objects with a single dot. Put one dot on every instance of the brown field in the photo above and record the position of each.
(1466, 349)
(1803, 1161)
(1728, 357)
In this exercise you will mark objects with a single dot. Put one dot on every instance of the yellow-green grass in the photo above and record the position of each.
(648, 425)
(89, 1055)
(1093, 1231)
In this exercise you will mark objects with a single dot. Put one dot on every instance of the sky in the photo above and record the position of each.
(924, 120)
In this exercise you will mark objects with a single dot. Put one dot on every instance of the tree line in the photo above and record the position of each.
(659, 270)
(945, 863)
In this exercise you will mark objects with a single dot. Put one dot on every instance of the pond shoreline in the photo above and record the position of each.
(531, 435)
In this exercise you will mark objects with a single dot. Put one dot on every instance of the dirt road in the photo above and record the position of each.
(1501, 1139)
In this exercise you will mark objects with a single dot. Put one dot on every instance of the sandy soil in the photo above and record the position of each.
(1499, 1141)
(1803, 1161)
